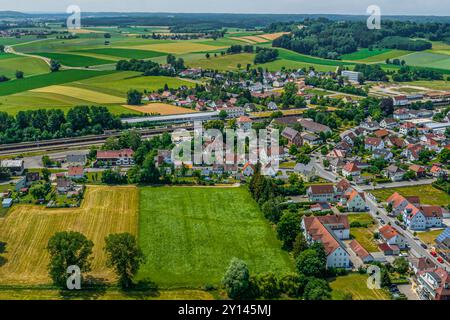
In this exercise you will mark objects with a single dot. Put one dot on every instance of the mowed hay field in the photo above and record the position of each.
(160, 108)
(427, 193)
(356, 285)
(9, 64)
(27, 229)
(190, 234)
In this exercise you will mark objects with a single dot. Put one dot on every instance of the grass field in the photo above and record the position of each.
(363, 218)
(433, 85)
(428, 194)
(83, 94)
(9, 64)
(356, 285)
(27, 229)
(428, 59)
(376, 55)
(365, 237)
(16, 86)
(428, 237)
(160, 108)
(227, 62)
(190, 234)
(73, 60)
(124, 53)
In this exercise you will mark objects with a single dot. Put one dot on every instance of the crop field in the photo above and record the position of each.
(39, 81)
(73, 60)
(160, 108)
(364, 53)
(227, 62)
(272, 36)
(356, 285)
(82, 94)
(294, 56)
(9, 64)
(428, 59)
(27, 229)
(190, 234)
(124, 53)
(290, 64)
(119, 83)
(428, 194)
(179, 47)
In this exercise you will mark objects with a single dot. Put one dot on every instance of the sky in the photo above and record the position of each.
(388, 7)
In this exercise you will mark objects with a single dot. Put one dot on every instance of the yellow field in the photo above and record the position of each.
(109, 294)
(177, 47)
(272, 36)
(160, 108)
(254, 39)
(79, 93)
(85, 31)
(26, 230)
(243, 39)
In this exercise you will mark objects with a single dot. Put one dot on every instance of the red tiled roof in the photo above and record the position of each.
(351, 167)
(322, 189)
(416, 168)
(373, 141)
(432, 211)
(388, 232)
(343, 185)
(381, 133)
(359, 250)
(315, 227)
(114, 154)
(76, 171)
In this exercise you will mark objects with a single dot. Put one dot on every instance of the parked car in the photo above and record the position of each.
(433, 253)
(423, 245)
(440, 260)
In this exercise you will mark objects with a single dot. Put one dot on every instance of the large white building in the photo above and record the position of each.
(330, 231)
(352, 76)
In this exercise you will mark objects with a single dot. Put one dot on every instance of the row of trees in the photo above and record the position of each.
(331, 39)
(74, 249)
(32, 125)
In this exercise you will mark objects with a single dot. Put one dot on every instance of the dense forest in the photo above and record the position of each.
(34, 125)
(330, 39)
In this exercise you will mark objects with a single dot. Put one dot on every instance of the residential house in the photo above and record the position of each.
(336, 164)
(388, 123)
(389, 250)
(420, 264)
(362, 253)
(311, 139)
(437, 171)
(399, 203)
(418, 170)
(313, 127)
(32, 177)
(443, 244)
(15, 167)
(320, 207)
(272, 106)
(163, 157)
(394, 173)
(321, 193)
(76, 159)
(75, 172)
(306, 171)
(372, 143)
(422, 217)
(406, 128)
(293, 136)
(369, 127)
(392, 237)
(342, 187)
(412, 151)
(63, 184)
(434, 284)
(400, 101)
(385, 154)
(351, 169)
(244, 123)
(7, 203)
(122, 157)
(248, 169)
(393, 141)
(401, 114)
(382, 133)
(330, 231)
(354, 201)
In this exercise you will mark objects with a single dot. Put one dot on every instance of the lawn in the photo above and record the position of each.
(190, 234)
(356, 285)
(380, 55)
(27, 229)
(73, 60)
(428, 195)
(39, 81)
(365, 237)
(363, 218)
(428, 237)
(30, 66)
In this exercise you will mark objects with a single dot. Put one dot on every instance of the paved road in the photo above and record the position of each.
(414, 245)
(35, 162)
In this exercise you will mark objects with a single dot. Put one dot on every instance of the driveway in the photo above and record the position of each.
(408, 291)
